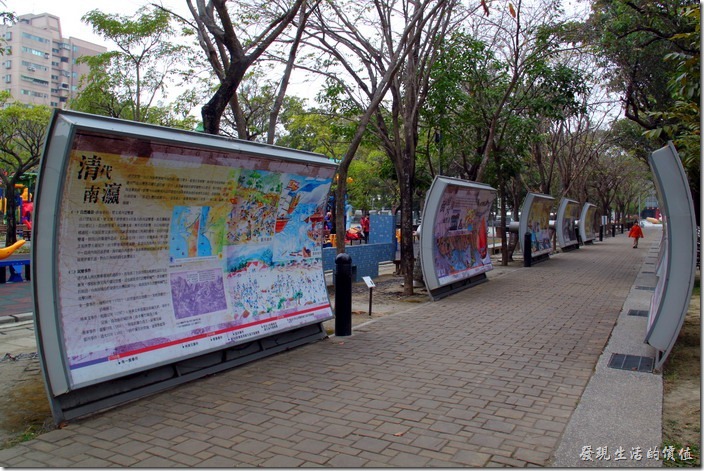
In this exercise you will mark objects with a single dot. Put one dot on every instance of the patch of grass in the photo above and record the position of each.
(697, 290)
(670, 375)
(30, 433)
(25, 411)
(685, 456)
(681, 423)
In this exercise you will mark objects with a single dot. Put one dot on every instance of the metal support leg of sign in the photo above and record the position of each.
(527, 255)
(343, 295)
(370, 285)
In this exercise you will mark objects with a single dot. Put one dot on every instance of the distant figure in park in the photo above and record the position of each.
(328, 222)
(365, 227)
(27, 221)
(636, 232)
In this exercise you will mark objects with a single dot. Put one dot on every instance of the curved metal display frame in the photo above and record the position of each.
(453, 238)
(535, 219)
(588, 223)
(565, 224)
(162, 256)
(678, 252)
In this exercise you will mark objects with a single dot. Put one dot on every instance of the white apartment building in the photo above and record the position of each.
(38, 65)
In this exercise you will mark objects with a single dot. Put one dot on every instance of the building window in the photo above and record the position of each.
(34, 94)
(35, 52)
(33, 66)
(34, 80)
(8, 64)
(8, 78)
(33, 37)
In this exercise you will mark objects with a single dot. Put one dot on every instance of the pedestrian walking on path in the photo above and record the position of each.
(637, 233)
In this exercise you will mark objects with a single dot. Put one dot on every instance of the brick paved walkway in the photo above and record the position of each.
(487, 377)
(15, 298)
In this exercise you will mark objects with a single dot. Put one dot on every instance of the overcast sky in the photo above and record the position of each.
(71, 11)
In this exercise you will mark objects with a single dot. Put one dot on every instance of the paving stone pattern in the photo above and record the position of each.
(487, 377)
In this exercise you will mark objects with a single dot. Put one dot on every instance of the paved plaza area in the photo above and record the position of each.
(511, 372)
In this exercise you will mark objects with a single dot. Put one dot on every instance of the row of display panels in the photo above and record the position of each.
(454, 246)
(154, 245)
(453, 236)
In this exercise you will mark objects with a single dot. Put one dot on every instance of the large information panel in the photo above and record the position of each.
(566, 224)
(677, 258)
(535, 219)
(153, 245)
(453, 237)
(589, 223)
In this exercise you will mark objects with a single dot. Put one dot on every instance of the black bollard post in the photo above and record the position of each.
(527, 250)
(343, 295)
(601, 233)
(613, 230)
(622, 228)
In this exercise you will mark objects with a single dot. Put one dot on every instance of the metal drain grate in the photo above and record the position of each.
(631, 363)
(645, 288)
(638, 313)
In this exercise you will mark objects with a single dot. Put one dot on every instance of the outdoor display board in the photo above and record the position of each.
(566, 223)
(588, 223)
(157, 245)
(453, 237)
(678, 252)
(535, 219)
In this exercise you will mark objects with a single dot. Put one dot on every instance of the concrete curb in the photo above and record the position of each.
(13, 318)
(620, 412)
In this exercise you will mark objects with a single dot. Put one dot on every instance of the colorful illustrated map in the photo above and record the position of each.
(460, 233)
(191, 233)
(539, 225)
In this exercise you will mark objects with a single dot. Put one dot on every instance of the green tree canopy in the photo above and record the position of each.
(130, 82)
(22, 130)
(652, 50)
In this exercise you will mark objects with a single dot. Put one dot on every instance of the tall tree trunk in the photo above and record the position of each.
(504, 227)
(225, 94)
(407, 254)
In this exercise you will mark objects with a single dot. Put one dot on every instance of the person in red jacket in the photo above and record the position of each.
(637, 233)
(365, 227)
